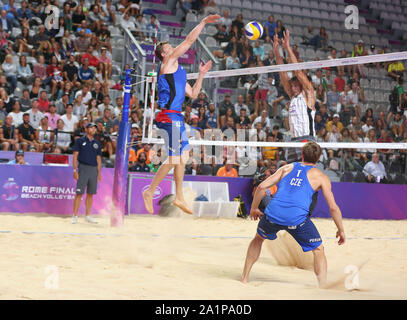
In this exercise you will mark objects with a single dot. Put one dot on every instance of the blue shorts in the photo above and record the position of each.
(306, 234)
(175, 137)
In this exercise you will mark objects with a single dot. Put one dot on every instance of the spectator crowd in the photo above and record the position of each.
(56, 76)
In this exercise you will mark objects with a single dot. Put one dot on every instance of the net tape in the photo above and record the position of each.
(323, 145)
(385, 57)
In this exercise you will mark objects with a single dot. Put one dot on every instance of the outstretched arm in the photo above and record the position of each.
(276, 177)
(333, 208)
(279, 60)
(193, 92)
(255, 213)
(301, 76)
(192, 36)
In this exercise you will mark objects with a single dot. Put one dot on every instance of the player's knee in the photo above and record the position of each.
(185, 157)
(258, 239)
(319, 250)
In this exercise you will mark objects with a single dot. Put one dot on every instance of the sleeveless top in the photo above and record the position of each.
(270, 152)
(301, 118)
(8, 132)
(290, 205)
(171, 95)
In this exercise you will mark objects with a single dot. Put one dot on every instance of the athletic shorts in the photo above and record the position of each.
(306, 234)
(261, 94)
(175, 137)
(88, 179)
(294, 154)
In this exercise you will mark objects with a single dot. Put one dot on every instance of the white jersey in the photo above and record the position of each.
(301, 118)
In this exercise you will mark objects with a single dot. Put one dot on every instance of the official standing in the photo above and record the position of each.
(87, 164)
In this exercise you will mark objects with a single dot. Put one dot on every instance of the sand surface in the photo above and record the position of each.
(153, 257)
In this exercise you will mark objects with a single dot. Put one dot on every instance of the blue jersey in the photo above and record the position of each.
(291, 204)
(171, 95)
(88, 151)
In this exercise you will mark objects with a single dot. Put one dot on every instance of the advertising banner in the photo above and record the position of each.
(366, 201)
(37, 189)
(50, 189)
(138, 183)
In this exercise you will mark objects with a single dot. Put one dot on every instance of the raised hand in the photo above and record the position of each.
(204, 68)
(286, 39)
(275, 42)
(212, 18)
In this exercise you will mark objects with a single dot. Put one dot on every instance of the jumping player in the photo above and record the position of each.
(302, 104)
(289, 210)
(172, 87)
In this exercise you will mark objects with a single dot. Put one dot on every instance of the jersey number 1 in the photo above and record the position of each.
(295, 181)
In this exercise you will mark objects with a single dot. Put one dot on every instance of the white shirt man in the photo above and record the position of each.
(127, 22)
(141, 24)
(372, 50)
(272, 94)
(85, 96)
(260, 131)
(35, 117)
(264, 120)
(368, 125)
(117, 111)
(63, 139)
(355, 94)
(225, 20)
(375, 168)
(70, 120)
(17, 118)
(332, 56)
(317, 78)
(354, 97)
(102, 107)
(240, 105)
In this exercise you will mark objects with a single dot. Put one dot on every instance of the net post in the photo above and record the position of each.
(121, 162)
(145, 108)
(152, 98)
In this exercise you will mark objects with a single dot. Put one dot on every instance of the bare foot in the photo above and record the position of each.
(148, 201)
(244, 280)
(182, 205)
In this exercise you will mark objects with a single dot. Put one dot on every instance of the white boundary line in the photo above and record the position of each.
(177, 236)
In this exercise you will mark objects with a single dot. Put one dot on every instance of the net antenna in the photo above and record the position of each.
(152, 78)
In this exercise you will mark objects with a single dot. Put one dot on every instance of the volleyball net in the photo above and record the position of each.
(355, 105)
